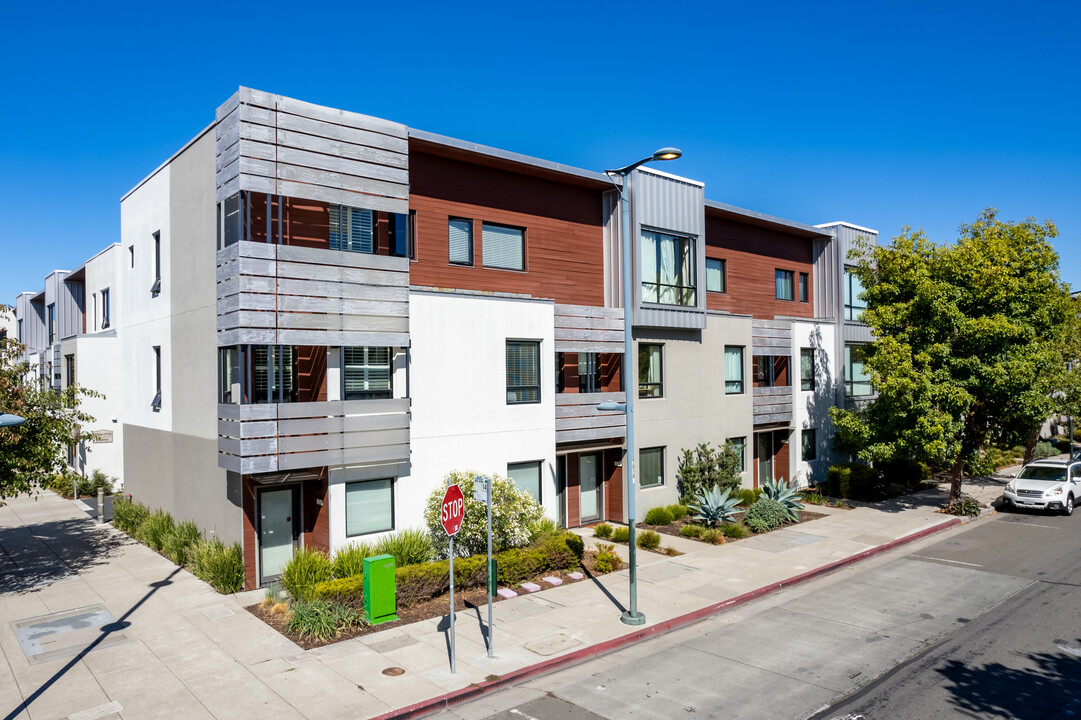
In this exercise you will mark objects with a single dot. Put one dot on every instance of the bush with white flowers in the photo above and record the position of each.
(514, 513)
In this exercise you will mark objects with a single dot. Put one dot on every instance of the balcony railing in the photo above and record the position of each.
(578, 419)
(292, 436)
(772, 405)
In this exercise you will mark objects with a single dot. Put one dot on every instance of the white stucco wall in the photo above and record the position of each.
(811, 408)
(97, 367)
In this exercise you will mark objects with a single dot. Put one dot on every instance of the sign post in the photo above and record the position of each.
(451, 514)
(482, 491)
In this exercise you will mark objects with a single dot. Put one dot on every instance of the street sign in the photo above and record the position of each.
(480, 489)
(452, 510)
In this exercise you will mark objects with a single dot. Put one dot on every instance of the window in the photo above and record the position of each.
(52, 324)
(523, 372)
(20, 331)
(228, 372)
(155, 289)
(650, 372)
(770, 370)
(411, 236)
(857, 379)
(502, 247)
(804, 283)
(668, 269)
(156, 404)
(231, 230)
(651, 467)
(351, 229)
(274, 373)
(853, 295)
(69, 368)
(733, 370)
(715, 275)
(739, 444)
(105, 308)
(526, 476)
(806, 369)
(369, 507)
(783, 282)
(589, 373)
(461, 241)
(366, 373)
(131, 252)
(809, 449)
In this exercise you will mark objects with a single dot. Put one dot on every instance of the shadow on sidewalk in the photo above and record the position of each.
(36, 555)
(611, 598)
(106, 630)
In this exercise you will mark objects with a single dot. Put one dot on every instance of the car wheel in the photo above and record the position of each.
(1067, 509)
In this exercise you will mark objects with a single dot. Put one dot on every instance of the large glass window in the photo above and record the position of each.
(369, 507)
(274, 374)
(857, 378)
(366, 373)
(461, 241)
(651, 467)
(502, 247)
(853, 295)
(523, 372)
(783, 281)
(733, 370)
(715, 280)
(739, 444)
(809, 447)
(351, 229)
(650, 371)
(526, 476)
(806, 369)
(668, 269)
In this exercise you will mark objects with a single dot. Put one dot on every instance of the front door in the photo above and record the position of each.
(765, 457)
(279, 531)
(589, 478)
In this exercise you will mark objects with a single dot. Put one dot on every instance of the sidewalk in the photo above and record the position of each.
(172, 647)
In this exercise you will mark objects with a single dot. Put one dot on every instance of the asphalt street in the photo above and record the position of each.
(982, 622)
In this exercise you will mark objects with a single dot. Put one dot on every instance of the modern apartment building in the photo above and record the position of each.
(322, 313)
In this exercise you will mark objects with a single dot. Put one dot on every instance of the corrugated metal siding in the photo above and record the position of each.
(69, 308)
(33, 316)
(854, 332)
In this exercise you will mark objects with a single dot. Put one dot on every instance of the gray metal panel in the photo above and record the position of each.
(854, 332)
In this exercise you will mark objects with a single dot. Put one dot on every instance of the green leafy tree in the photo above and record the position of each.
(32, 453)
(514, 514)
(969, 343)
(706, 468)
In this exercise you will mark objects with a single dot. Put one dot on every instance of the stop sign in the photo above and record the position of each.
(452, 511)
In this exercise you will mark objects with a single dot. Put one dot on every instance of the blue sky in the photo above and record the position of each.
(885, 114)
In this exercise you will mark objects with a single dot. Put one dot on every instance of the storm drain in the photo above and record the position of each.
(66, 634)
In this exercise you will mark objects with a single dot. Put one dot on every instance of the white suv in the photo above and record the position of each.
(1046, 485)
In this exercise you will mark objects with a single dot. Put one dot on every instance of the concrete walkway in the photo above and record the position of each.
(164, 644)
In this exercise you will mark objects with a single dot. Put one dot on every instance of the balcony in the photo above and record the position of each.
(773, 405)
(292, 436)
(578, 420)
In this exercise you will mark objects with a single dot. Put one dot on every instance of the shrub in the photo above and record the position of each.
(514, 512)
(813, 497)
(679, 511)
(691, 530)
(219, 565)
(560, 551)
(1043, 450)
(852, 481)
(272, 596)
(734, 531)
(714, 536)
(658, 516)
(705, 468)
(787, 497)
(604, 530)
(904, 471)
(177, 545)
(345, 591)
(765, 515)
(621, 534)
(541, 527)
(349, 560)
(965, 505)
(128, 515)
(307, 569)
(648, 540)
(409, 547)
(155, 529)
(576, 544)
(747, 496)
(607, 560)
(416, 583)
(714, 507)
(518, 564)
(65, 483)
(671, 551)
(322, 619)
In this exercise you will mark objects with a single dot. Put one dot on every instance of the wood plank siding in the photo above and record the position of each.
(562, 222)
(751, 256)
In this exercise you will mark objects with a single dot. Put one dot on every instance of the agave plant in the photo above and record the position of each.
(714, 507)
(788, 497)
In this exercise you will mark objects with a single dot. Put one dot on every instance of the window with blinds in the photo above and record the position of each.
(274, 373)
(351, 229)
(460, 232)
(523, 372)
(369, 507)
(366, 373)
(503, 247)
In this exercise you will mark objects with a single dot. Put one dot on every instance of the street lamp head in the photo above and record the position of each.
(667, 153)
(9, 420)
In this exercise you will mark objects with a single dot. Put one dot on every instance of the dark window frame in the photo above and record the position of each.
(850, 383)
(523, 388)
(788, 277)
(724, 276)
(804, 287)
(688, 294)
(472, 242)
(155, 405)
(813, 454)
(641, 464)
(485, 224)
(382, 394)
(807, 384)
(742, 445)
(155, 289)
(853, 305)
(742, 380)
(656, 388)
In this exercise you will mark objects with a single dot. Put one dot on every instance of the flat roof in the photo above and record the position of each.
(763, 220)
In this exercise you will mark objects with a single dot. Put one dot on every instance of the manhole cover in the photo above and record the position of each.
(394, 671)
(67, 633)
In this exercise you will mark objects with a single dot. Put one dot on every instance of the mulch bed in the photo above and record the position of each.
(464, 600)
(673, 527)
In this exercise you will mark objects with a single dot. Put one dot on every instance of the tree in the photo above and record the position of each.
(31, 453)
(969, 346)
(706, 467)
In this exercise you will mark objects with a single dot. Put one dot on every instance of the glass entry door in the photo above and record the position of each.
(589, 480)
(279, 526)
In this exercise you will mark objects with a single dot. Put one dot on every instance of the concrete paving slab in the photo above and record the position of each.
(236, 694)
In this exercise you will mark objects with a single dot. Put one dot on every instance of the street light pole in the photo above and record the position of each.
(631, 616)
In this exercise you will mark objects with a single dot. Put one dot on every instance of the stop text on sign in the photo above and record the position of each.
(452, 510)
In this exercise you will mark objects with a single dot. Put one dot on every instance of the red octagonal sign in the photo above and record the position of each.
(452, 511)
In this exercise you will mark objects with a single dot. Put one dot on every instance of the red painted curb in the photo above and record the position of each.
(466, 694)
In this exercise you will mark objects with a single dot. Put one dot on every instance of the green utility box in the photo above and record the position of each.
(380, 600)
(492, 577)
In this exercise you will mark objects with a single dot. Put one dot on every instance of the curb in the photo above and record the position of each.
(476, 690)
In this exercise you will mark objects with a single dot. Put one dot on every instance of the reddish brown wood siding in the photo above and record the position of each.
(316, 513)
(563, 231)
(613, 486)
(780, 458)
(573, 505)
(311, 373)
(751, 256)
(249, 541)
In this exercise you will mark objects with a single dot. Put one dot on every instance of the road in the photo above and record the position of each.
(983, 622)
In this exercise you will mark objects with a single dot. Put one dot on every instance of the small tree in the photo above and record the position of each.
(514, 512)
(706, 467)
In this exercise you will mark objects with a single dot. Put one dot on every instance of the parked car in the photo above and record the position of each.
(1046, 485)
